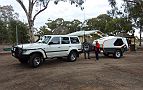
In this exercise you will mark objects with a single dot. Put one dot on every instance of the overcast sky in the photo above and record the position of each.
(64, 10)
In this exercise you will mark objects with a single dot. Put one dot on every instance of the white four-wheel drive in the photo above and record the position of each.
(49, 46)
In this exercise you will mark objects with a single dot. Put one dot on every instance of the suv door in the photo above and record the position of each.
(75, 42)
(65, 45)
(53, 49)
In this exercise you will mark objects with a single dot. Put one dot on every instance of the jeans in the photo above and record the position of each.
(86, 53)
(97, 56)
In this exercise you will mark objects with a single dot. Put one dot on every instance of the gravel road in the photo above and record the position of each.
(84, 74)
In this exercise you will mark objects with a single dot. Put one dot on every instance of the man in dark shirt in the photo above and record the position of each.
(86, 48)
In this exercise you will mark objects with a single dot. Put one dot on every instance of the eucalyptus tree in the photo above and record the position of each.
(7, 14)
(44, 30)
(43, 5)
(99, 23)
(73, 26)
(60, 23)
(134, 12)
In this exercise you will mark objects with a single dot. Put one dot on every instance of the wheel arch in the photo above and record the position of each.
(37, 52)
(74, 50)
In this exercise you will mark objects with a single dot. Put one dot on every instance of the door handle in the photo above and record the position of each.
(69, 46)
(59, 47)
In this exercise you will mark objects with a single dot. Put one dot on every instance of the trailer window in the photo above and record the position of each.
(118, 42)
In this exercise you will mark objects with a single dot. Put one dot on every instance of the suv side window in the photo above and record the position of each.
(55, 40)
(74, 40)
(65, 40)
(118, 42)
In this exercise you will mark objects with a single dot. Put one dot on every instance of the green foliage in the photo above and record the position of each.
(3, 32)
(59, 24)
(73, 26)
(8, 32)
(22, 30)
(112, 3)
(99, 23)
(103, 22)
(119, 24)
(133, 11)
(8, 27)
(44, 31)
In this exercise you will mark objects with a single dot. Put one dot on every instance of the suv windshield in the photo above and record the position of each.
(44, 39)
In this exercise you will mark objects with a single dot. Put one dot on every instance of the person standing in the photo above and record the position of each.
(97, 50)
(86, 49)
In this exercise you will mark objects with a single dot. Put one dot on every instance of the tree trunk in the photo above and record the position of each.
(140, 35)
(31, 35)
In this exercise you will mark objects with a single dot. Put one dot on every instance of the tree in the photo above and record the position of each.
(8, 23)
(22, 30)
(118, 25)
(44, 30)
(99, 23)
(73, 26)
(134, 12)
(3, 34)
(7, 13)
(60, 26)
(43, 4)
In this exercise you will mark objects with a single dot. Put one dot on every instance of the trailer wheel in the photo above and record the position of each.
(117, 54)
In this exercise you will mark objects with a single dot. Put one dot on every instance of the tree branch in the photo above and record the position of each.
(45, 7)
(22, 5)
(34, 1)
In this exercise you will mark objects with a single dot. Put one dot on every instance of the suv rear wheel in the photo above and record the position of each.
(72, 56)
(35, 60)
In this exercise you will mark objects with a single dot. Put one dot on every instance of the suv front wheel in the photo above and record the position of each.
(72, 56)
(35, 60)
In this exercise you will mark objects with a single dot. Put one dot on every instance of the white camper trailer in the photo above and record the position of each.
(113, 45)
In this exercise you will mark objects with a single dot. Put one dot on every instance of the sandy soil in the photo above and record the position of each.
(106, 74)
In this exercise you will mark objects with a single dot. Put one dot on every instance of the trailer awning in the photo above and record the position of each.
(82, 33)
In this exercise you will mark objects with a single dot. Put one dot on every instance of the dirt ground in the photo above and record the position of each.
(106, 74)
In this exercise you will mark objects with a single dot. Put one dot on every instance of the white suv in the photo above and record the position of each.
(49, 46)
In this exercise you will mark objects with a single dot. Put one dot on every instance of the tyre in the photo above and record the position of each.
(72, 56)
(23, 61)
(35, 60)
(118, 54)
